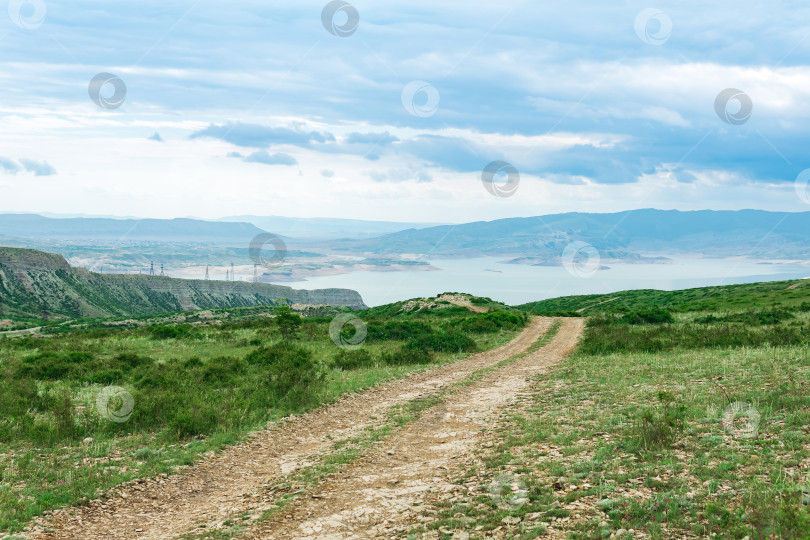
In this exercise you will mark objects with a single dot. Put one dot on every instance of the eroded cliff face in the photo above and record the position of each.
(30, 260)
(34, 283)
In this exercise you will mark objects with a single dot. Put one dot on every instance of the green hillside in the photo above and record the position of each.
(722, 298)
(681, 414)
(38, 285)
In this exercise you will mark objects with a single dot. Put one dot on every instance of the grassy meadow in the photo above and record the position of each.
(97, 403)
(681, 414)
(664, 424)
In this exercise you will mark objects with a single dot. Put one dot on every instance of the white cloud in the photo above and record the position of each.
(593, 118)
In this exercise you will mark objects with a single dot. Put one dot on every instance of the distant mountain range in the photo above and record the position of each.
(236, 229)
(326, 228)
(125, 230)
(321, 246)
(132, 245)
(621, 235)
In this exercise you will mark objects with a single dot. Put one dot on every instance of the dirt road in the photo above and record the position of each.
(235, 481)
(378, 496)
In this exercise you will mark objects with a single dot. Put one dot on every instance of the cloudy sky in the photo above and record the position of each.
(391, 110)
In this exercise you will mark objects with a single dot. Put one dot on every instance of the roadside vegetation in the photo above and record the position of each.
(679, 415)
(744, 297)
(100, 402)
(664, 424)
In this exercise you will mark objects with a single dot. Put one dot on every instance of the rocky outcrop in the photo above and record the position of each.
(36, 284)
(29, 260)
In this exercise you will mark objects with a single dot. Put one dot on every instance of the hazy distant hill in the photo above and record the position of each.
(130, 245)
(33, 282)
(126, 230)
(542, 239)
(326, 228)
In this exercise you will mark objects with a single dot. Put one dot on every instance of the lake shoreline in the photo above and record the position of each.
(516, 284)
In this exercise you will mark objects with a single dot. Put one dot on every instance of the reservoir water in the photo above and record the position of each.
(516, 284)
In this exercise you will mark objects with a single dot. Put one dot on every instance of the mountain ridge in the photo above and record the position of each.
(325, 228)
(708, 232)
(178, 229)
(33, 283)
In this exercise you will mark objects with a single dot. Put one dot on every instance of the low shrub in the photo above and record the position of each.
(19, 398)
(653, 315)
(288, 322)
(64, 412)
(105, 376)
(492, 322)
(757, 318)
(193, 362)
(53, 366)
(359, 358)
(559, 313)
(601, 339)
(252, 324)
(178, 331)
(778, 514)
(131, 361)
(291, 370)
(161, 376)
(398, 330)
(453, 342)
(405, 356)
(223, 371)
(658, 427)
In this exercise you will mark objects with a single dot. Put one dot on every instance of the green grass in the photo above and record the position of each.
(628, 433)
(195, 389)
(686, 333)
(699, 437)
(748, 296)
(349, 450)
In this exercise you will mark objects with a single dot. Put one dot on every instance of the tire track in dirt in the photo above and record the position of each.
(375, 496)
(234, 480)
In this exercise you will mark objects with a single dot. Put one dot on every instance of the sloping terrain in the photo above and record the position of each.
(725, 297)
(42, 285)
(241, 479)
(380, 495)
(622, 235)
